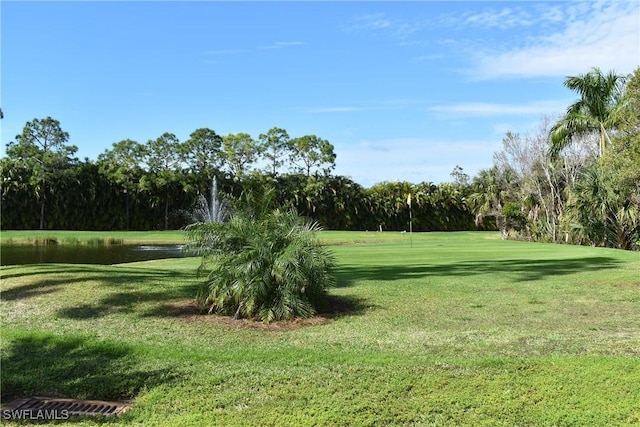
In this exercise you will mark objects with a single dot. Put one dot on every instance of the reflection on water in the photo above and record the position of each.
(89, 254)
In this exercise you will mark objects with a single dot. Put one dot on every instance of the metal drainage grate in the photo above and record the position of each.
(55, 408)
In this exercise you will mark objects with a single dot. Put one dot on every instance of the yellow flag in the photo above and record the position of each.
(409, 199)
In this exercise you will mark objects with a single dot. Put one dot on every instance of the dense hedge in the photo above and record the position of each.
(80, 197)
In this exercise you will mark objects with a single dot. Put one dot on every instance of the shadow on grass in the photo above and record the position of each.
(43, 287)
(128, 288)
(72, 367)
(126, 302)
(343, 305)
(524, 269)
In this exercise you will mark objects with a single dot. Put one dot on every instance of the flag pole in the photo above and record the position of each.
(410, 221)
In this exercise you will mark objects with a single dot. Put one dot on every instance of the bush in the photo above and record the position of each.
(514, 216)
(270, 267)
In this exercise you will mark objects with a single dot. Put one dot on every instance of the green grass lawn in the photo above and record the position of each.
(430, 329)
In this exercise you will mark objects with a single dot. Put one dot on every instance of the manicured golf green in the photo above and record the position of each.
(430, 329)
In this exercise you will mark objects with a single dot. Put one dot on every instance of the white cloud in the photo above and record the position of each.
(552, 14)
(280, 45)
(605, 35)
(374, 21)
(225, 51)
(332, 109)
(484, 109)
(505, 18)
(405, 101)
(379, 24)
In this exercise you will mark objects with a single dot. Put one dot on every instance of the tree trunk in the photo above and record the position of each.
(237, 315)
(44, 200)
(42, 214)
(128, 202)
(166, 215)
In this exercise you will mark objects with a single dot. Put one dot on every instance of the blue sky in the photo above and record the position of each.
(404, 90)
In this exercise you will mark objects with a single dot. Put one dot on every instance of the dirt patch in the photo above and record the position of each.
(627, 285)
(189, 311)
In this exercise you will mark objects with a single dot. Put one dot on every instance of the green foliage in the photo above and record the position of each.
(309, 151)
(164, 162)
(605, 213)
(268, 267)
(491, 189)
(240, 151)
(202, 152)
(433, 207)
(158, 185)
(627, 113)
(600, 96)
(274, 146)
(605, 208)
(42, 152)
(122, 167)
(513, 213)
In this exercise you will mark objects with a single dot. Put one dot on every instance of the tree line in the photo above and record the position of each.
(157, 185)
(575, 179)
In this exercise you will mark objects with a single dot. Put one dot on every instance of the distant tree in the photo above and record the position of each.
(449, 208)
(239, 151)
(601, 214)
(460, 178)
(17, 195)
(336, 202)
(42, 148)
(628, 112)
(492, 188)
(309, 151)
(606, 203)
(544, 180)
(594, 112)
(202, 154)
(274, 146)
(122, 165)
(389, 204)
(163, 161)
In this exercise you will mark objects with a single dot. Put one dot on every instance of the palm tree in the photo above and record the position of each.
(593, 113)
(600, 215)
(492, 189)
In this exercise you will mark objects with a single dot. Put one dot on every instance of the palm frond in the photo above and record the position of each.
(269, 267)
(600, 94)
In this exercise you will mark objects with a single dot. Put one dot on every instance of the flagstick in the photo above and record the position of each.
(410, 220)
(410, 228)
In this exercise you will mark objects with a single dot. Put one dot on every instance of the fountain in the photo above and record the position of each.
(212, 210)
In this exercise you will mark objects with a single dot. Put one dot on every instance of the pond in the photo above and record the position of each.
(86, 254)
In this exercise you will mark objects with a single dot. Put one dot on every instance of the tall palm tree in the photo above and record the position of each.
(600, 94)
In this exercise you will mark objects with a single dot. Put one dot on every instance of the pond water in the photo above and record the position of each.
(86, 254)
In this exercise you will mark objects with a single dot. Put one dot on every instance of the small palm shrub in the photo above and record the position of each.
(267, 267)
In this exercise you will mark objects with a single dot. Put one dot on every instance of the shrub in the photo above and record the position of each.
(267, 267)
